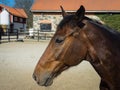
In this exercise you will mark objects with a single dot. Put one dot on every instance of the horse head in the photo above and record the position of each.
(67, 48)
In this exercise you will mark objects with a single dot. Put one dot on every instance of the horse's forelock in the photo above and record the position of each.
(69, 19)
(65, 21)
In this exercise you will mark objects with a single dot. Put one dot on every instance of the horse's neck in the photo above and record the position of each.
(102, 52)
(101, 39)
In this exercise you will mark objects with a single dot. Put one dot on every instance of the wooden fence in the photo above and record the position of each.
(36, 35)
(8, 35)
(43, 35)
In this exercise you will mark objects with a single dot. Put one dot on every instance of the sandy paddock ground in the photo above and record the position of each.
(17, 63)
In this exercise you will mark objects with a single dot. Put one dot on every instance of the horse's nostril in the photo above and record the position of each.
(34, 77)
(38, 83)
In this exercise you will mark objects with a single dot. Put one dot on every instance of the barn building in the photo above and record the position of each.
(47, 13)
(12, 18)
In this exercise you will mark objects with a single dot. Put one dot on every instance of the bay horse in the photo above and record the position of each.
(79, 38)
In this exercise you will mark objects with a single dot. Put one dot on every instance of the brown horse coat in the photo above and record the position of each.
(79, 38)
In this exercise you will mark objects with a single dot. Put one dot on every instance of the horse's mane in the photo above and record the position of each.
(113, 34)
(94, 20)
(105, 26)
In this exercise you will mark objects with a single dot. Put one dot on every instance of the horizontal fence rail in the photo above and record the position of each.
(8, 35)
(35, 35)
(40, 35)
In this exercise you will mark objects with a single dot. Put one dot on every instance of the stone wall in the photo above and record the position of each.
(54, 19)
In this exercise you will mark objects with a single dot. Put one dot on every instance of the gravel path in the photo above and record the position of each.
(17, 63)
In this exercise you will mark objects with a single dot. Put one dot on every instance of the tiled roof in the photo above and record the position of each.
(15, 11)
(72, 5)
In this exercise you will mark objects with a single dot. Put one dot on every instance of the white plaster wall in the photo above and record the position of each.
(4, 17)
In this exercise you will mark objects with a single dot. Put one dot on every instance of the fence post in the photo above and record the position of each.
(8, 35)
(38, 35)
(17, 34)
(0, 35)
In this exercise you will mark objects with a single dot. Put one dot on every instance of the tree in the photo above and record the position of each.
(26, 5)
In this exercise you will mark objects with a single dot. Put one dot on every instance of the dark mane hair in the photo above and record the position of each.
(113, 35)
(109, 29)
(70, 18)
(65, 20)
(91, 19)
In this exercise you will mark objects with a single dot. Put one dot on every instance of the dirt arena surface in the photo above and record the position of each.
(17, 63)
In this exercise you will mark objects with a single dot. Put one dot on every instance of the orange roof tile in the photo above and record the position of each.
(15, 11)
(72, 5)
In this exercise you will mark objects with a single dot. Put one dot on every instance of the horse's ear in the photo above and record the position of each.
(63, 12)
(80, 13)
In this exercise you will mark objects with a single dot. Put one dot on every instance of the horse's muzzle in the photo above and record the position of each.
(44, 80)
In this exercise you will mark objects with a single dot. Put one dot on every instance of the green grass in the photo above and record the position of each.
(111, 20)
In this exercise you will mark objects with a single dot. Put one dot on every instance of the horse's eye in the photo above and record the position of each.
(59, 40)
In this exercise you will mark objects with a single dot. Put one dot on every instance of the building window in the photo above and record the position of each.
(24, 20)
(21, 20)
(45, 27)
(15, 19)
